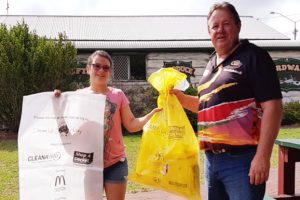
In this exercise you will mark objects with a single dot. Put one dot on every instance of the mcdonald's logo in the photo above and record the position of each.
(60, 180)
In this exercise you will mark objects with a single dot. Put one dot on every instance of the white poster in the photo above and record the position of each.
(60, 146)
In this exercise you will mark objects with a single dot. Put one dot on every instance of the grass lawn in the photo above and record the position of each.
(9, 163)
(9, 182)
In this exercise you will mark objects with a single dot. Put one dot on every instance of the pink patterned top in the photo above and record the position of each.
(114, 148)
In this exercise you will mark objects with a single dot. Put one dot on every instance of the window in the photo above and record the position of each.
(137, 67)
(121, 67)
(129, 67)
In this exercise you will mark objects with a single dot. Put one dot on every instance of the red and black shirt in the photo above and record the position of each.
(230, 95)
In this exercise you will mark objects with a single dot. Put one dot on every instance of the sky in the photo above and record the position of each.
(259, 9)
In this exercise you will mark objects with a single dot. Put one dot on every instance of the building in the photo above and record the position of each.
(140, 45)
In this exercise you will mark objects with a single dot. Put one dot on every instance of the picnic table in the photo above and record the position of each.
(289, 154)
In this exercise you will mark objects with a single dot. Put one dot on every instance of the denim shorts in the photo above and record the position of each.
(117, 173)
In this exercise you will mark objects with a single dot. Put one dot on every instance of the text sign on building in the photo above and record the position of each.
(182, 66)
(288, 70)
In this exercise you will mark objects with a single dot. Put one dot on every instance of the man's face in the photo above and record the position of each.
(223, 30)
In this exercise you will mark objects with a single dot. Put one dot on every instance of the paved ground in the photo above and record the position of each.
(161, 195)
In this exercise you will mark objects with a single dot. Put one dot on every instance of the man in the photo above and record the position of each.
(239, 109)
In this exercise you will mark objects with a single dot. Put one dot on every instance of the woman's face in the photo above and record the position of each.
(223, 30)
(99, 71)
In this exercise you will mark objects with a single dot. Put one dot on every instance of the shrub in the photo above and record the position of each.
(142, 100)
(291, 113)
(191, 115)
(30, 64)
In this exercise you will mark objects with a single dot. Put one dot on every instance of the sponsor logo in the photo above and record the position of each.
(83, 158)
(59, 184)
(176, 132)
(236, 64)
(60, 180)
(64, 130)
(44, 157)
(233, 71)
(234, 67)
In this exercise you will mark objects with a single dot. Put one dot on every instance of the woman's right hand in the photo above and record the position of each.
(57, 93)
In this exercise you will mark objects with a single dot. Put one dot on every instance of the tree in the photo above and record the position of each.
(30, 64)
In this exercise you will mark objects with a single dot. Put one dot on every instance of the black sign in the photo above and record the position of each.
(288, 70)
(83, 158)
(182, 66)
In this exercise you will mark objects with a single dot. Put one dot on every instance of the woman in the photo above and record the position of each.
(117, 112)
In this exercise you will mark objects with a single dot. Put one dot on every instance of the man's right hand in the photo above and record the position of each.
(187, 101)
(176, 92)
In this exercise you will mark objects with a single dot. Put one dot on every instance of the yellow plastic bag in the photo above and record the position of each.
(168, 157)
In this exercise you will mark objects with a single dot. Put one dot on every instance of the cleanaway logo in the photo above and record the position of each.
(38, 158)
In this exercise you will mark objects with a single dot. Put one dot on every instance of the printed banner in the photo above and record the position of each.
(60, 145)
